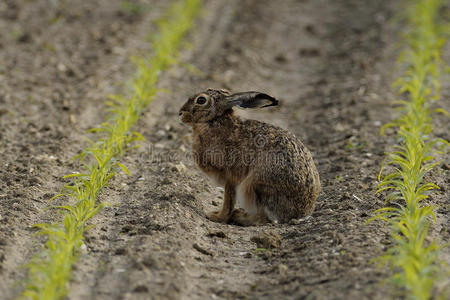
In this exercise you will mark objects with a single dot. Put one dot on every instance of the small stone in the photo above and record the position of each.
(299, 221)
(282, 269)
(83, 248)
(180, 167)
(61, 67)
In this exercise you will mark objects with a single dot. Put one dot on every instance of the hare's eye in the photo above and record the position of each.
(200, 100)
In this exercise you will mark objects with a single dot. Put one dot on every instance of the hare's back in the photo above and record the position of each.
(279, 153)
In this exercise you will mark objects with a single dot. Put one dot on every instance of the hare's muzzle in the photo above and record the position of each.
(185, 117)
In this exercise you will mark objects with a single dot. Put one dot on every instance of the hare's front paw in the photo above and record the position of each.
(218, 216)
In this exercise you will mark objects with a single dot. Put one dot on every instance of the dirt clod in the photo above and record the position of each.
(140, 289)
(219, 234)
(202, 250)
(267, 240)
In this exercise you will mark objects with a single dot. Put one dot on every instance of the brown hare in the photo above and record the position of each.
(264, 168)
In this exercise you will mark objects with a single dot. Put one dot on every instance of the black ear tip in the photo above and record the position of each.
(262, 96)
(251, 100)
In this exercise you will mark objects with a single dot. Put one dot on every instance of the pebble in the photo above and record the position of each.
(83, 248)
(282, 269)
(179, 167)
(61, 67)
(298, 221)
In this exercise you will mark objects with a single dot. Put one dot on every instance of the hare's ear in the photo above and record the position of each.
(251, 100)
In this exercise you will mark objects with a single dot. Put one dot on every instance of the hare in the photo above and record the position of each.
(264, 168)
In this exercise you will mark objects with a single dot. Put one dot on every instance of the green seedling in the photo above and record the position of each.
(131, 8)
(50, 270)
(414, 261)
(352, 144)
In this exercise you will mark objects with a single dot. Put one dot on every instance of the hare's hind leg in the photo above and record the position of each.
(250, 213)
(229, 200)
(240, 217)
(246, 196)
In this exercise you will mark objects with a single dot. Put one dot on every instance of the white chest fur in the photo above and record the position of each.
(245, 199)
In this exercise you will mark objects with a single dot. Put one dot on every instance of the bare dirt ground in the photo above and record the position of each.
(330, 63)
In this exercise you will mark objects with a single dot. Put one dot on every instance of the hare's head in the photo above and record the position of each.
(212, 103)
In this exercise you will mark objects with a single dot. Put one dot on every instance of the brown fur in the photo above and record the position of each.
(271, 167)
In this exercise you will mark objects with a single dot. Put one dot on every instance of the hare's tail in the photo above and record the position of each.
(281, 207)
(274, 202)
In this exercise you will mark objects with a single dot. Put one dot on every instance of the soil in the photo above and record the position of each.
(330, 63)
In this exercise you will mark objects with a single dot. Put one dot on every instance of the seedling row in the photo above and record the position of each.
(50, 270)
(414, 260)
